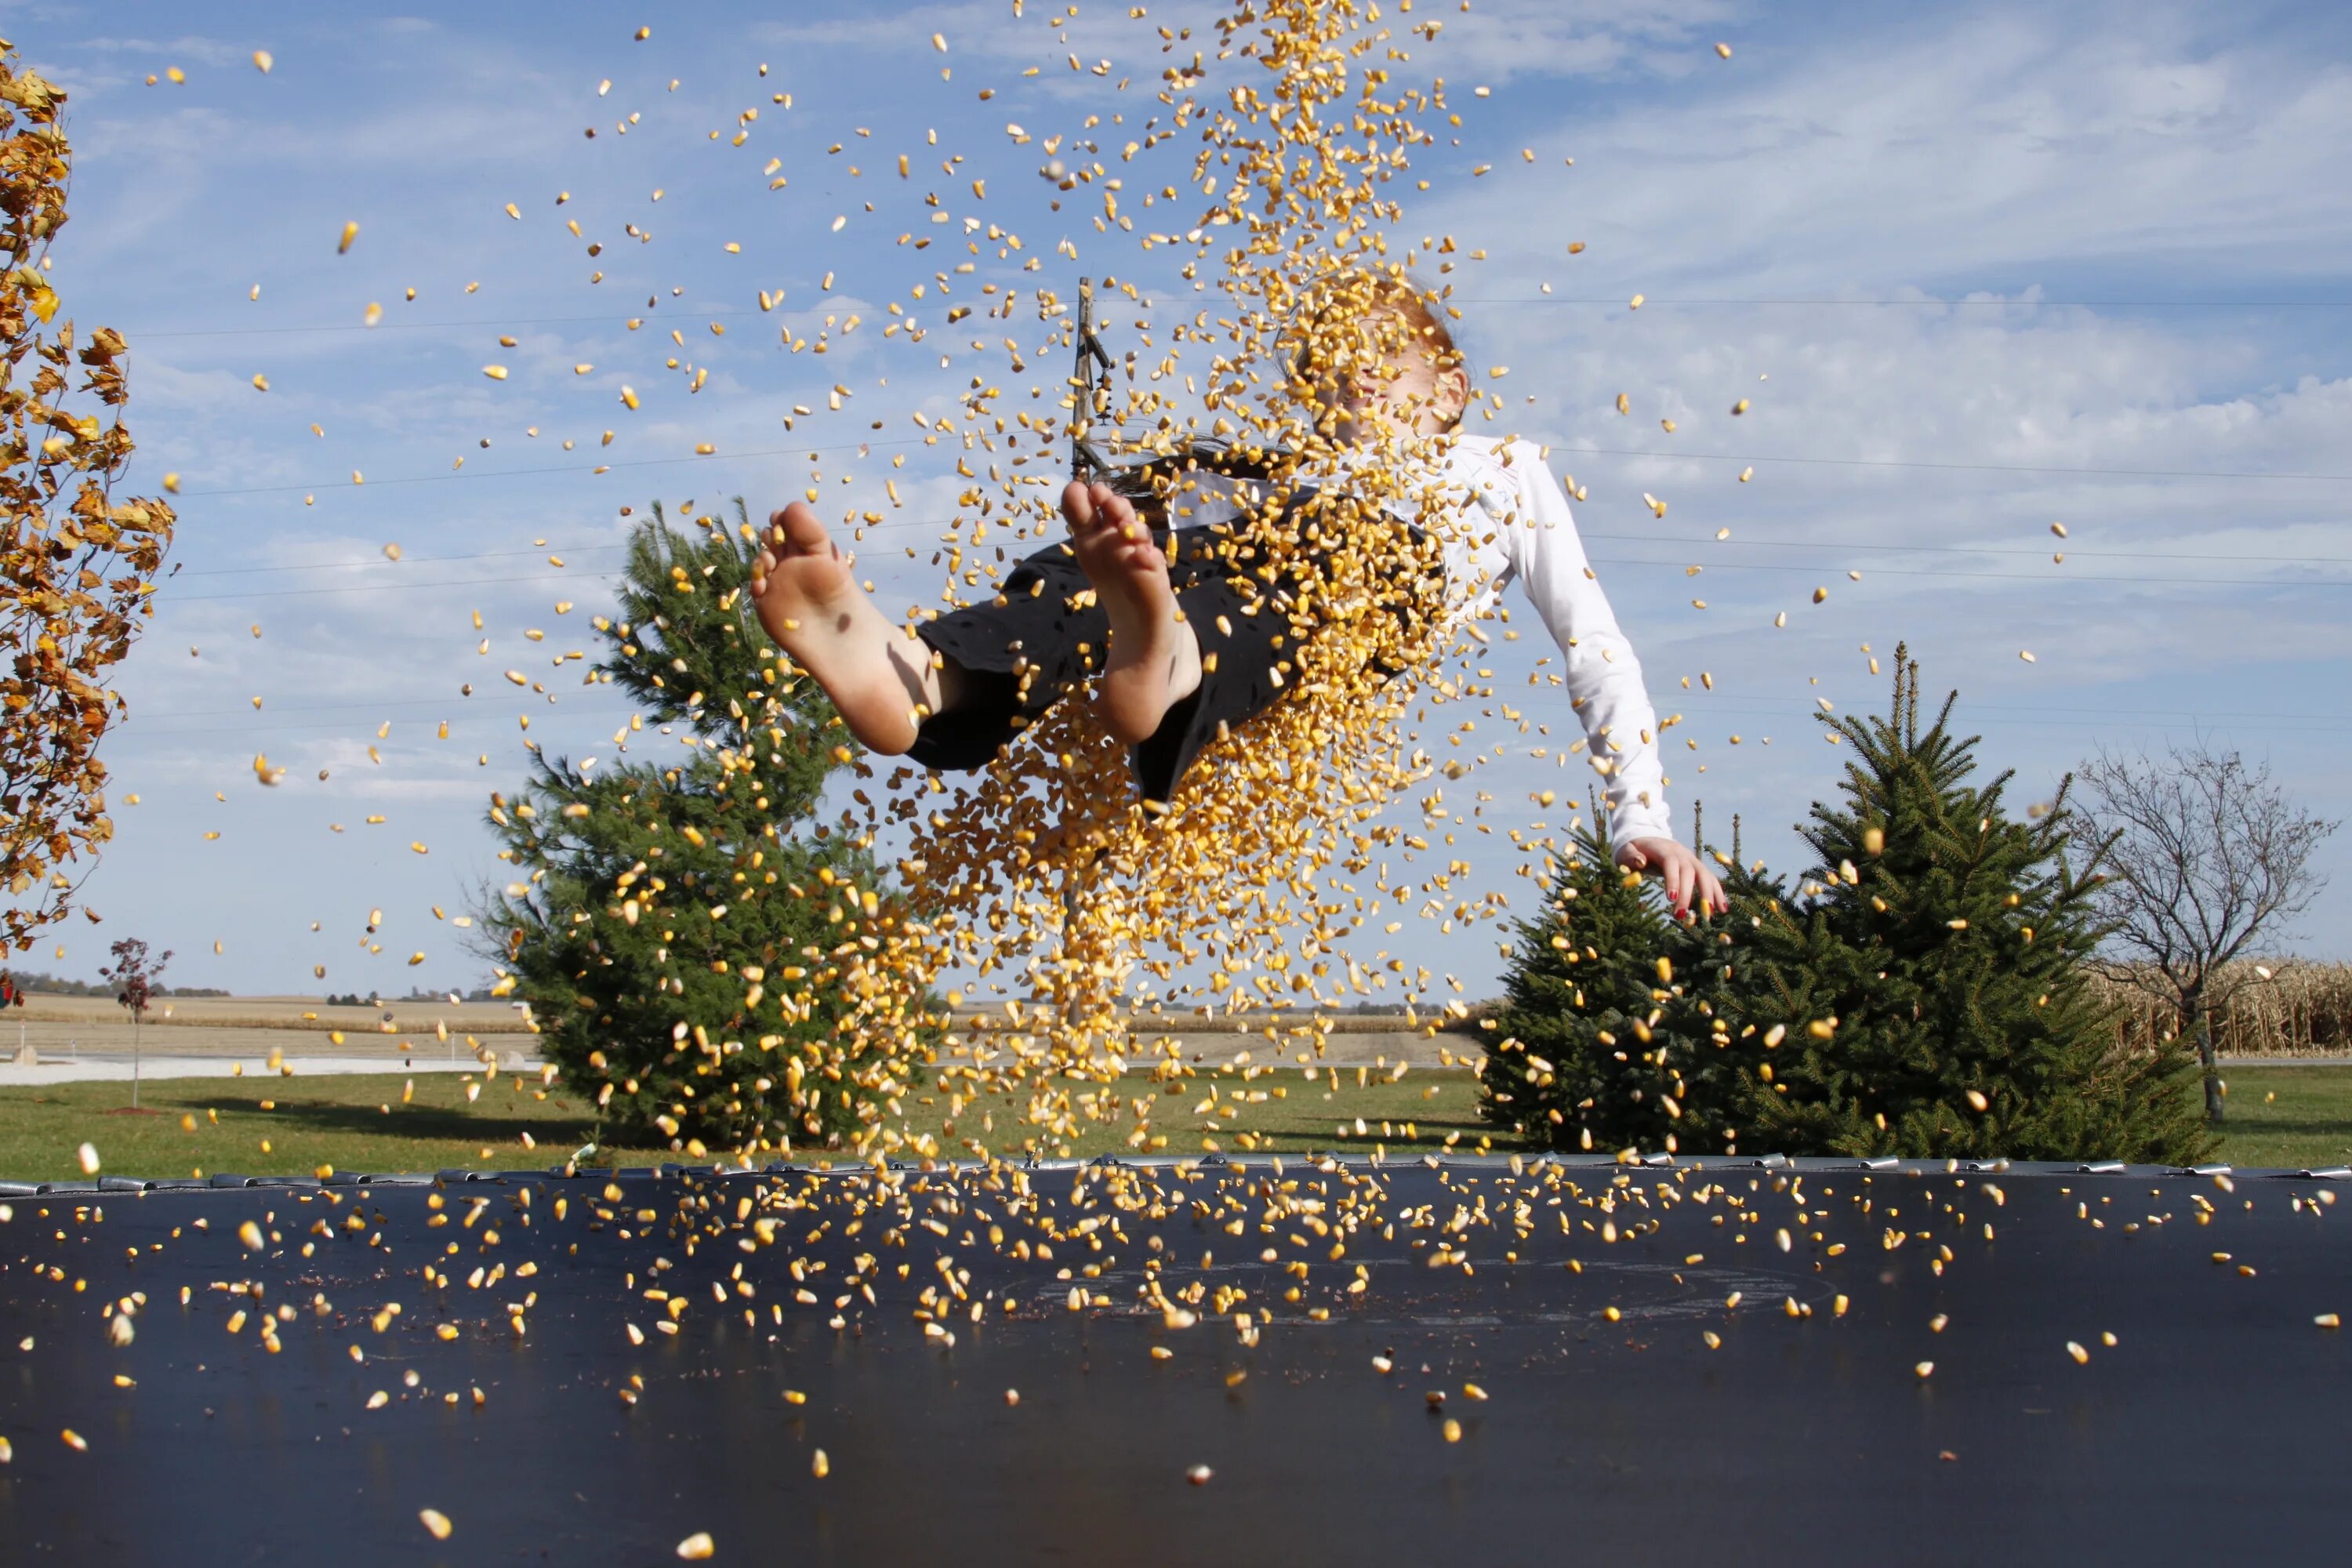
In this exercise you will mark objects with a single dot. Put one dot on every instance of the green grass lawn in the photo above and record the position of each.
(218, 1125)
(2299, 1117)
(2278, 1116)
(363, 1123)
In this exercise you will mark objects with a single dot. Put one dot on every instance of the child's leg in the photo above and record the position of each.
(883, 679)
(1094, 612)
(1154, 658)
(953, 692)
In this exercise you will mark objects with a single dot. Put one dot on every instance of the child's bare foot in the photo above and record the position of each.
(1154, 659)
(875, 671)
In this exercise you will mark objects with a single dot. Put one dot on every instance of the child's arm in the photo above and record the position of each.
(1604, 682)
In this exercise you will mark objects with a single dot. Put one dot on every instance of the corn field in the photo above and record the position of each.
(2300, 1010)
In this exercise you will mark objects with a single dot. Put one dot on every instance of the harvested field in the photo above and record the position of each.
(2300, 1010)
(311, 1013)
(65, 1027)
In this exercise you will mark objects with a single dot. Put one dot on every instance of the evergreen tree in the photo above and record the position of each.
(687, 930)
(1925, 993)
(1611, 1034)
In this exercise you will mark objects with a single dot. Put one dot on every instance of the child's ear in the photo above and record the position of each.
(1452, 394)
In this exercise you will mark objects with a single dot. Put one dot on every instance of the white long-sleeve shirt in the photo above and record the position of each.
(1522, 530)
(1502, 517)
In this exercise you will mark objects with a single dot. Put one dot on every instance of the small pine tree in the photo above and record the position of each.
(685, 929)
(1926, 989)
(1608, 1033)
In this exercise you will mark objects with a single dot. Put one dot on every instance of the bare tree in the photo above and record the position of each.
(2206, 855)
(136, 977)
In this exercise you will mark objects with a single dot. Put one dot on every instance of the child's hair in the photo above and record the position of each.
(1360, 293)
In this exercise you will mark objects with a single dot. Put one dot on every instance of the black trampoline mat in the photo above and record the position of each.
(2211, 1430)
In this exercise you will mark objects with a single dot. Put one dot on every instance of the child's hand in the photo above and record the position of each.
(1683, 871)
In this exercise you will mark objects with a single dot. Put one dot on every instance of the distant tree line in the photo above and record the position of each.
(377, 999)
(36, 981)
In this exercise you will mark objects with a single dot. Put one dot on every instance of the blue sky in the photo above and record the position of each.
(1976, 268)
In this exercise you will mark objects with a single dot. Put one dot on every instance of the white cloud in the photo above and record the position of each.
(181, 51)
(1995, 139)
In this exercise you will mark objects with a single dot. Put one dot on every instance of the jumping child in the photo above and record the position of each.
(951, 692)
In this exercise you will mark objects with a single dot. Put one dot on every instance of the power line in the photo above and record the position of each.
(2010, 712)
(370, 705)
(1950, 467)
(405, 560)
(2050, 580)
(377, 563)
(377, 588)
(136, 730)
(1618, 301)
(1613, 301)
(331, 487)
(335, 485)
(1709, 702)
(485, 325)
(1993, 714)
(1970, 548)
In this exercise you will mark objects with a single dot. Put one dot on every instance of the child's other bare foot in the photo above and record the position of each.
(875, 671)
(1154, 658)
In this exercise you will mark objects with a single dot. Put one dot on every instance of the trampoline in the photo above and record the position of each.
(1712, 1361)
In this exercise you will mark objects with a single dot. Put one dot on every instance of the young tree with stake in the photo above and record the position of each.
(134, 977)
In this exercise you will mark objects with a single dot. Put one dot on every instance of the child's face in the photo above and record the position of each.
(1406, 393)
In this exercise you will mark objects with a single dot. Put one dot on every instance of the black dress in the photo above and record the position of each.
(1044, 637)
